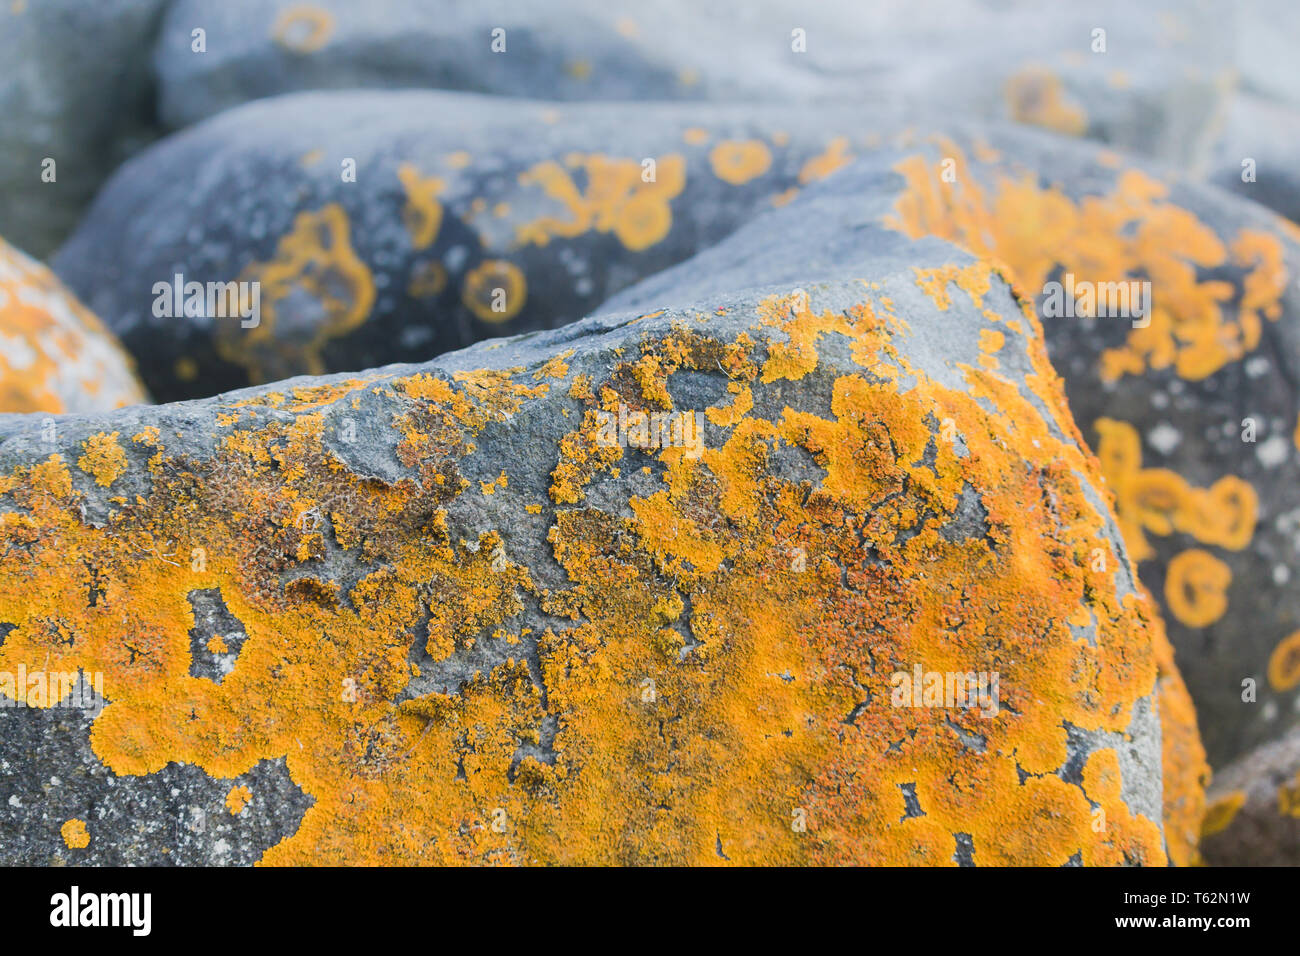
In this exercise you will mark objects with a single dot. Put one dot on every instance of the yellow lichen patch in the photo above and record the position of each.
(819, 167)
(237, 799)
(217, 645)
(618, 199)
(103, 458)
(314, 269)
(991, 341)
(695, 136)
(495, 290)
(1220, 814)
(1284, 664)
(1036, 96)
(303, 28)
(1196, 587)
(1131, 234)
(710, 679)
(75, 835)
(1186, 773)
(1162, 502)
(738, 161)
(1288, 798)
(55, 356)
(423, 212)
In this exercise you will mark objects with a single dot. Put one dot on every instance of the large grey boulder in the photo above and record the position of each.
(76, 91)
(1148, 77)
(393, 226)
(471, 611)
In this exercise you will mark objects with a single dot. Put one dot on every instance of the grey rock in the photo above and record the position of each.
(76, 88)
(1253, 816)
(476, 630)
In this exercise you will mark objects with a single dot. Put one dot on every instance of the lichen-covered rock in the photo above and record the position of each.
(1190, 407)
(644, 589)
(1148, 77)
(55, 356)
(76, 95)
(1183, 386)
(1252, 816)
(468, 217)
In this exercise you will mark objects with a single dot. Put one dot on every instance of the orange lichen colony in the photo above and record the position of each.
(622, 196)
(709, 697)
(55, 356)
(315, 263)
(1132, 233)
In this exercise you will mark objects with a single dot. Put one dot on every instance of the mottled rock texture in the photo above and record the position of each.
(455, 197)
(472, 628)
(75, 88)
(55, 356)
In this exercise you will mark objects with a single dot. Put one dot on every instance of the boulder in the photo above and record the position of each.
(806, 565)
(394, 226)
(55, 356)
(1148, 78)
(1252, 816)
(1173, 313)
(76, 94)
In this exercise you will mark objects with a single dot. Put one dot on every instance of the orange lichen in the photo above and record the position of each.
(1284, 664)
(1131, 234)
(303, 28)
(1288, 798)
(617, 199)
(1162, 502)
(1196, 587)
(237, 799)
(495, 290)
(422, 213)
(1035, 95)
(1186, 771)
(819, 167)
(55, 355)
(695, 693)
(104, 458)
(75, 834)
(738, 161)
(1220, 814)
(315, 262)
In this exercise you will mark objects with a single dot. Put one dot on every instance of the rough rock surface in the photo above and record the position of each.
(1252, 816)
(455, 196)
(1192, 407)
(75, 88)
(1151, 83)
(474, 626)
(55, 356)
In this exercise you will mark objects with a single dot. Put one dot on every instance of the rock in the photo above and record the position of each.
(480, 618)
(55, 356)
(1147, 78)
(455, 197)
(1253, 813)
(1192, 415)
(1256, 154)
(76, 92)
